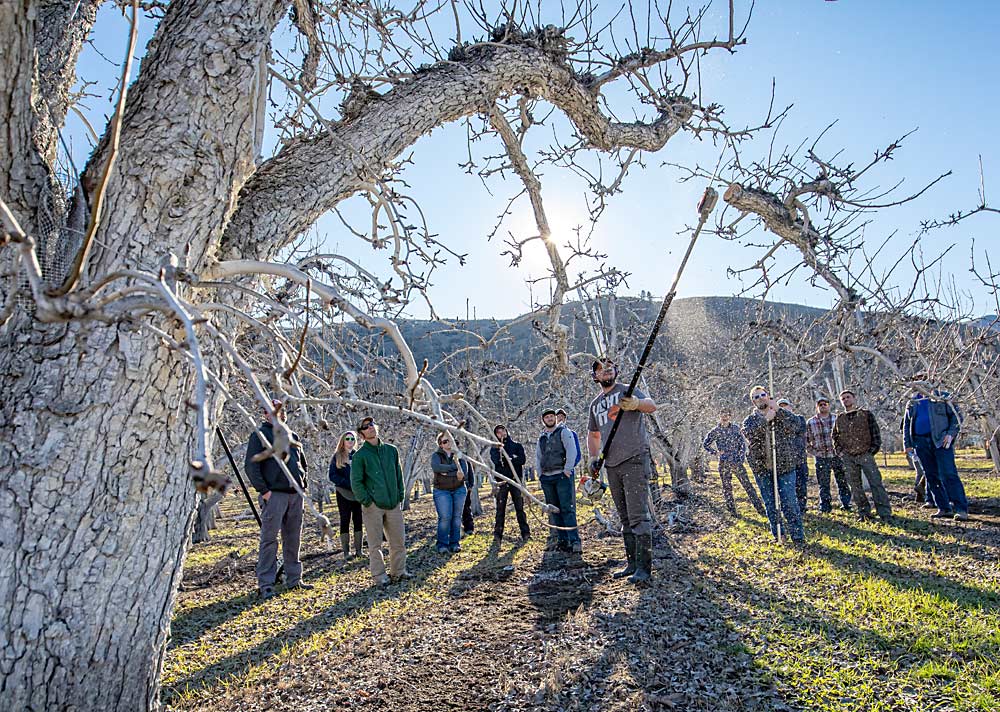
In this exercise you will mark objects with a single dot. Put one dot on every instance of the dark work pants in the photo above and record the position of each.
(726, 471)
(349, 510)
(824, 466)
(854, 466)
(628, 482)
(503, 490)
(282, 512)
(467, 523)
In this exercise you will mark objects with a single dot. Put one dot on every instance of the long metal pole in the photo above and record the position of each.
(705, 207)
(243, 486)
(774, 444)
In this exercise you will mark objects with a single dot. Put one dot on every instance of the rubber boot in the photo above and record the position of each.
(630, 553)
(345, 544)
(643, 560)
(359, 538)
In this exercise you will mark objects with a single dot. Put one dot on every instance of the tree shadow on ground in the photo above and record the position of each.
(913, 538)
(194, 622)
(494, 567)
(563, 582)
(904, 577)
(420, 562)
(668, 647)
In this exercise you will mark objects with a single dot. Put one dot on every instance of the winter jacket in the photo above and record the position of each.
(799, 441)
(856, 433)
(943, 416)
(267, 476)
(515, 453)
(341, 476)
(445, 469)
(726, 442)
(760, 433)
(376, 476)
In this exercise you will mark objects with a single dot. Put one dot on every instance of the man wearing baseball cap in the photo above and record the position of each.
(801, 461)
(770, 431)
(819, 444)
(627, 464)
(280, 503)
(377, 482)
(508, 459)
(554, 454)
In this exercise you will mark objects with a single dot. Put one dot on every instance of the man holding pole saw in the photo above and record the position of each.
(627, 462)
(771, 432)
(620, 408)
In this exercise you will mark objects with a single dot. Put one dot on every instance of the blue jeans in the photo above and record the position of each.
(801, 485)
(945, 487)
(789, 503)
(561, 492)
(449, 504)
(824, 466)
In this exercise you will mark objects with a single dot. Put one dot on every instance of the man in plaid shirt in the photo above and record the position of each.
(819, 444)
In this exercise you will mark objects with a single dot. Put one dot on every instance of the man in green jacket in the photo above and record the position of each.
(377, 482)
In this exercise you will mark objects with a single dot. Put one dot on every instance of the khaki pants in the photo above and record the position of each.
(391, 520)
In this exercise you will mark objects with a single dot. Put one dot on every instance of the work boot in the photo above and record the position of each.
(345, 545)
(643, 560)
(359, 538)
(630, 553)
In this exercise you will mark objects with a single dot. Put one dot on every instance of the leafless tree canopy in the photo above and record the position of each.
(173, 281)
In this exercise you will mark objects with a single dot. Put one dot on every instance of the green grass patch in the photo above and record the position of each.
(870, 616)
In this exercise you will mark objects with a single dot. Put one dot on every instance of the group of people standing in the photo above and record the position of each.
(773, 439)
(369, 487)
(777, 442)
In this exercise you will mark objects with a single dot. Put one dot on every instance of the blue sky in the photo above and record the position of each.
(879, 68)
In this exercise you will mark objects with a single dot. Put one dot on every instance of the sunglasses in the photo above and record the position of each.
(758, 396)
(349, 439)
(370, 424)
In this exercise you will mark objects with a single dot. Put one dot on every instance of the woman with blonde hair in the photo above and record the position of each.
(348, 506)
(449, 493)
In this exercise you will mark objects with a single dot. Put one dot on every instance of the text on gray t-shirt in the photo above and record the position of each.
(630, 438)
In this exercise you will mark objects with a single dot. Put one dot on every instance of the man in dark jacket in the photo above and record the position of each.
(726, 441)
(771, 433)
(802, 465)
(930, 426)
(856, 438)
(510, 464)
(280, 502)
(377, 482)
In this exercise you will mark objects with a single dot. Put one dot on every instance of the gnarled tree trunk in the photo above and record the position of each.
(95, 435)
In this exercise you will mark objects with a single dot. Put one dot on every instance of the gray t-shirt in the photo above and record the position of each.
(630, 439)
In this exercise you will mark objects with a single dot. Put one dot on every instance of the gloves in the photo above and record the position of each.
(630, 403)
(595, 465)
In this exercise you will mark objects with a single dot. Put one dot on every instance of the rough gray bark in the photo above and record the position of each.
(94, 433)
